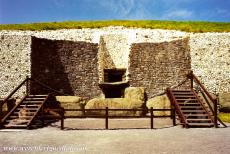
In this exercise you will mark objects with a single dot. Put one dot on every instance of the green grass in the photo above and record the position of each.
(225, 117)
(188, 26)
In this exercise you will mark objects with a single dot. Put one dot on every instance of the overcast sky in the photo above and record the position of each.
(27, 11)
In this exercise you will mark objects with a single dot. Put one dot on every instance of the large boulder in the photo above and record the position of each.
(159, 102)
(133, 99)
(224, 100)
(71, 102)
(135, 93)
(113, 103)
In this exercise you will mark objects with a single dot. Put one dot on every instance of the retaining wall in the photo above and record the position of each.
(210, 55)
(15, 62)
(70, 67)
(152, 58)
(157, 66)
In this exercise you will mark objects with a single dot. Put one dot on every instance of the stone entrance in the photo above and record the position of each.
(113, 65)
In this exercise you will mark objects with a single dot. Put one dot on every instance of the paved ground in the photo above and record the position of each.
(76, 138)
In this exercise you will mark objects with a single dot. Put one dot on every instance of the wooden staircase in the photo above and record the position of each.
(195, 114)
(25, 113)
(32, 110)
(194, 105)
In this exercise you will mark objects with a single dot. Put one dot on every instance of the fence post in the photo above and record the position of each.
(83, 111)
(43, 123)
(27, 85)
(151, 116)
(106, 118)
(171, 105)
(191, 78)
(62, 119)
(174, 116)
(1, 101)
(215, 113)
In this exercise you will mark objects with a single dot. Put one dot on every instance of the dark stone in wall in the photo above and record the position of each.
(70, 67)
(157, 66)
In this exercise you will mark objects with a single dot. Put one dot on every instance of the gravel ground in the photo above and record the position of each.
(77, 138)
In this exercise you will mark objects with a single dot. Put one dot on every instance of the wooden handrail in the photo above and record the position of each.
(206, 100)
(202, 105)
(202, 86)
(12, 93)
(214, 101)
(47, 87)
(213, 110)
(21, 84)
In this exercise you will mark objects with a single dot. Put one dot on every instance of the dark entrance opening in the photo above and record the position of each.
(114, 83)
(114, 75)
(113, 92)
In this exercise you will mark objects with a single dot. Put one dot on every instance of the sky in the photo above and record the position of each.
(30, 11)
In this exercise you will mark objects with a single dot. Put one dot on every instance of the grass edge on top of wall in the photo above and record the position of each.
(187, 26)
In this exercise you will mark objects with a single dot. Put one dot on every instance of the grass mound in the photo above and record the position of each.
(188, 26)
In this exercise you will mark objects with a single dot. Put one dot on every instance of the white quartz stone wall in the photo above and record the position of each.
(134, 35)
(14, 62)
(116, 47)
(210, 56)
(114, 53)
(210, 52)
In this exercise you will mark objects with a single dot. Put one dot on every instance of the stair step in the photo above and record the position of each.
(27, 114)
(199, 120)
(188, 91)
(29, 105)
(188, 104)
(186, 99)
(15, 126)
(34, 99)
(191, 107)
(32, 102)
(196, 115)
(43, 96)
(18, 120)
(29, 109)
(15, 117)
(185, 96)
(201, 124)
(193, 111)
